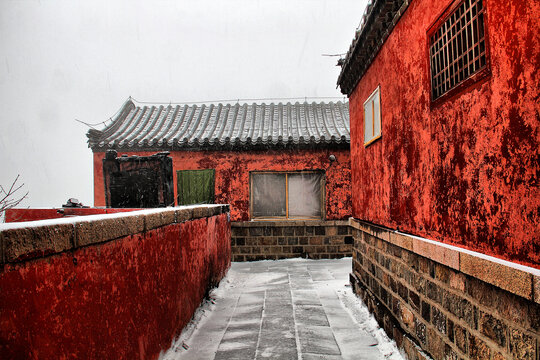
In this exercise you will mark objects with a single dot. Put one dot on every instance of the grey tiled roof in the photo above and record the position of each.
(380, 18)
(218, 126)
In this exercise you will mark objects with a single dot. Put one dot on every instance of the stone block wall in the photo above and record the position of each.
(271, 240)
(445, 302)
(116, 286)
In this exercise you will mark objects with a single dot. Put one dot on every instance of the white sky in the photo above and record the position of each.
(67, 60)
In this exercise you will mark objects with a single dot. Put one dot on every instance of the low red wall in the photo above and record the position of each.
(19, 215)
(464, 171)
(232, 175)
(121, 299)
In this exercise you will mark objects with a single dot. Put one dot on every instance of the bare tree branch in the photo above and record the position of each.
(11, 197)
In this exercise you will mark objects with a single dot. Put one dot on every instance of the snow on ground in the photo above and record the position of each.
(291, 309)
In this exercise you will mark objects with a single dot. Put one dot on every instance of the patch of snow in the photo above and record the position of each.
(97, 217)
(360, 313)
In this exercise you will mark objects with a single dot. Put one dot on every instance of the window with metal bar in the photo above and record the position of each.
(457, 47)
(287, 195)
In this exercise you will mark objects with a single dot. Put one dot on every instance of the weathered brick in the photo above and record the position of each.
(202, 212)
(435, 344)
(383, 295)
(240, 241)
(461, 337)
(449, 353)
(343, 230)
(300, 231)
(277, 231)
(414, 300)
(96, 231)
(522, 346)
(332, 249)
(450, 329)
(239, 231)
(478, 348)
(407, 317)
(434, 292)
(284, 241)
(287, 249)
(493, 328)
(480, 291)
(183, 214)
(253, 241)
(396, 305)
(426, 311)
(158, 219)
(303, 241)
(439, 320)
(31, 242)
(320, 230)
(255, 231)
(442, 273)
(508, 278)
(393, 284)
(298, 249)
(345, 249)
(457, 280)
(292, 241)
(336, 240)
(267, 231)
(315, 240)
(288, 231)
(420, 330)
(403, 291)
(267, 241)
(310, 230)
(331, 230)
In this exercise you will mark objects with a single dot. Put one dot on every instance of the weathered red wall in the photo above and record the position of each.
(20, 215)
(124, 299)
(466, 170)
(232, 175)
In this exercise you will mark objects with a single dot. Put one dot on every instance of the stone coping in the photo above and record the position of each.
(518, 279)
(264, 223)
(23, 241)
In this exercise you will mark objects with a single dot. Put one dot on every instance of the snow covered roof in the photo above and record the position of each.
(377, 23)
(218, 126)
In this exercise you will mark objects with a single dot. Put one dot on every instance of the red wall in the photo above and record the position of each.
(232, 175)
(19, 215)
(465, 171)
(124, 299)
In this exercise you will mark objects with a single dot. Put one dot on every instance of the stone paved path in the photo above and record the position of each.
(287, 309)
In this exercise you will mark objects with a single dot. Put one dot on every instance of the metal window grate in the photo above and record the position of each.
(457, 47)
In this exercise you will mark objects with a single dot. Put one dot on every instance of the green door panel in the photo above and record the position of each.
(195, 186)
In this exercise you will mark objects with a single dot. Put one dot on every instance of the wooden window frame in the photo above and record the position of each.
(477, 75)
(286, 217)
(374, 137)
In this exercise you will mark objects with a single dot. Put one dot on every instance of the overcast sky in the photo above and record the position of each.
(67, 60)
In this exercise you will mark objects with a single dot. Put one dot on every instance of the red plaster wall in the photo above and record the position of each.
(232, 175)
(19, 215)
(464, 171)
(125, 299)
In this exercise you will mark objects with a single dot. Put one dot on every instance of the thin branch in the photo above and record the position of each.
(9, 199)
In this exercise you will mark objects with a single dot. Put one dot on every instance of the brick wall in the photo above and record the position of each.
(261, 240)
(118, 286)
(445, 301)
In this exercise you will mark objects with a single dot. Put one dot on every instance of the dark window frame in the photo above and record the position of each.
(474, 78)
(286, 217)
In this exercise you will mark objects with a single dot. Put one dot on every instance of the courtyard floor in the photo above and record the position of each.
(285, 309)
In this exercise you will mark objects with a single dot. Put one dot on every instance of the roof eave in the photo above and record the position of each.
(378, 23)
